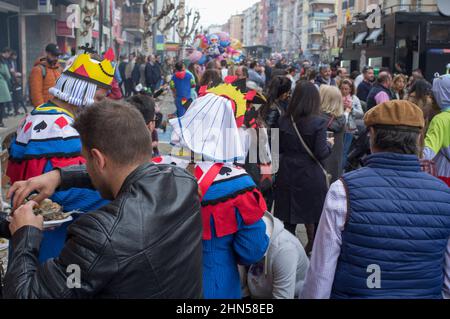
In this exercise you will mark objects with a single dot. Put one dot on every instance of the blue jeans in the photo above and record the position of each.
(348, 139)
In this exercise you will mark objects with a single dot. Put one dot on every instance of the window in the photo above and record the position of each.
(438, 32)
(359, 38)
(374, 35)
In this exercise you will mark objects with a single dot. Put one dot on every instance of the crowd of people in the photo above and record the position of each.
(11, 93)
(361, 160)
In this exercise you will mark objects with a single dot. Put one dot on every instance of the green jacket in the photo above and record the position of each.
(5, 78)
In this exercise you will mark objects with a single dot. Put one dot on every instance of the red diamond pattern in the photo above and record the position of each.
(61, 122)
(27, 127)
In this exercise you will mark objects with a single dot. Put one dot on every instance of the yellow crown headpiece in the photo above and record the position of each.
(89, 69)
(79, 81)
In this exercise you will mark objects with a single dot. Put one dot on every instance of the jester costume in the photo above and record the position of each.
(46, 140)
(232, 206)
(437, 140)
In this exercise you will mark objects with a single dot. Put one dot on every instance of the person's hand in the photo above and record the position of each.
(330, 140)
(24, 216)
(45, 184)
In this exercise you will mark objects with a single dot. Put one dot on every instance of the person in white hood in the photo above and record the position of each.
(281, 273)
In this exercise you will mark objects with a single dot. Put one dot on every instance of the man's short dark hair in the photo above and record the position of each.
(366, 69)
(253, 64)
(117, 130)
(144, 104)
(179, 66)
(6, 50)
(224, 63)
(396, 139)
(323, 67)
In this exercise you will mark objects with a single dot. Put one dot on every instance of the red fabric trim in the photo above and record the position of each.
(250, 95)
(446, 180)
(251, 206)
(230, 79)
(157, 159)
(35, 167)
(63, 162)
(198, 172)
(202, 90)
(209, 178)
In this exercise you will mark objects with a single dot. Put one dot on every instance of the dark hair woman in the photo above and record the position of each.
(301, 185)
(211, 78)
(422, 95)
(277, 94)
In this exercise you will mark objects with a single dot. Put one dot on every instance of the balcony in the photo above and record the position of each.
(320, 15)
(314, 46)
(133, 21)
(315, 31)
(322, 2)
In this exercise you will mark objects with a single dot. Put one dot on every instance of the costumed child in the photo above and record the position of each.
(232, 206)
(46, 139)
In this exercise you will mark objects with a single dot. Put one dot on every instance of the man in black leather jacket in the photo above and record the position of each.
(146, 243)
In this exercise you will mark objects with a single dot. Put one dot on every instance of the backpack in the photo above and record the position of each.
(44, 74)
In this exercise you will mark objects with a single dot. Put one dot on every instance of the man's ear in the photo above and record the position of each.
(98, 158)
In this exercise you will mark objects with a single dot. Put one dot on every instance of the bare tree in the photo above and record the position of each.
(186, 28)
(150, 20)
(170, 22)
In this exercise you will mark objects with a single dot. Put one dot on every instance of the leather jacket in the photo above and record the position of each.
(146, 243)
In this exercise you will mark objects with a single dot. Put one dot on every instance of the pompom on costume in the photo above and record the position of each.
(45, 140)
(232, 206)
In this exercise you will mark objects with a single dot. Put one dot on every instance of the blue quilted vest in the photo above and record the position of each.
(399, 219)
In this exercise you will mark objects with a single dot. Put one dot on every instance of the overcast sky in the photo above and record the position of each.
(218, 11)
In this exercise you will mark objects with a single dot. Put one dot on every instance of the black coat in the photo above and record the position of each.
(153, 74)
(146, 243)
(333, 163)
(301, 188)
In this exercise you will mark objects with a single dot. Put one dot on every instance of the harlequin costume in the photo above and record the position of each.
(232, 206)
(46, 140)
(182, 82)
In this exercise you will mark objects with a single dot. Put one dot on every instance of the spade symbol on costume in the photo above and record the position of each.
(225, 171)
(40, 127)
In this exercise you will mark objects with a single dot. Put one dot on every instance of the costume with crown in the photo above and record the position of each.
(46, 140)
(232, 206)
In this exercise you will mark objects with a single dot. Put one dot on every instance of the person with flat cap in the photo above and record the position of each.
(384, 230)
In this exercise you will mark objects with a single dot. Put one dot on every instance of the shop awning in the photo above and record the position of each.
(374, 35)
(359, 38)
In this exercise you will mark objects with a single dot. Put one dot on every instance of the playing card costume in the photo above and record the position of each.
(232, 206)
(46, 140)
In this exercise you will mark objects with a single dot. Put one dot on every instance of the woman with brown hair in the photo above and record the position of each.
(422, 95)
(399, 86)
(211, 78)
(300, 184)
(333, 113)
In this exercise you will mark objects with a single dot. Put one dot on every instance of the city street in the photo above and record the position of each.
(307, 155)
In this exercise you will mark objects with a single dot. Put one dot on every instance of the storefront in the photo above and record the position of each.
(417, 39)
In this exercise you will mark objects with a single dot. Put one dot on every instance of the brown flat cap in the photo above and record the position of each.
(396, 112)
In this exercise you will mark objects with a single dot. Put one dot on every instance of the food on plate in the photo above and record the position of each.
(50, 210)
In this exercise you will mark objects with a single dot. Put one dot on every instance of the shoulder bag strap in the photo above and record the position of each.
(306, 147)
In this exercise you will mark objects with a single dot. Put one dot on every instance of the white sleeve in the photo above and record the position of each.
(327, 245)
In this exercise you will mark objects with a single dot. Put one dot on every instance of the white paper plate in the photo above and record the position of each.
(57, 223)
